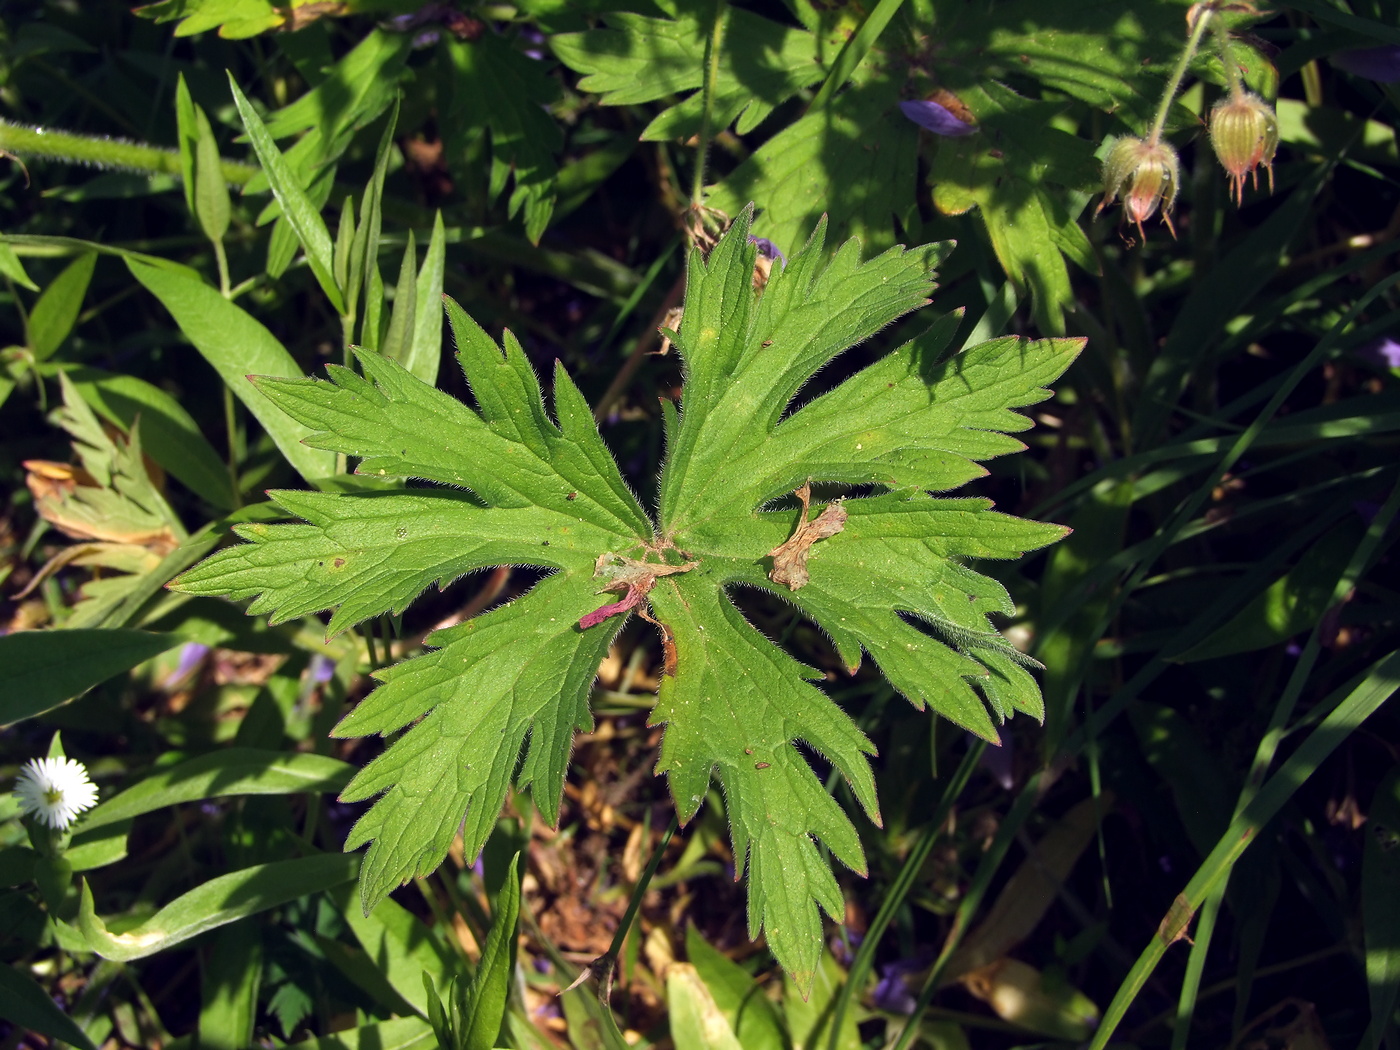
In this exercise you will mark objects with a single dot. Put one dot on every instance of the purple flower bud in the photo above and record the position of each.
(1383, 351)
(893, 996)
(767, 248)
(936, 118)
(191, 655)
(1367, 509)
(1373, 63)
(322, 668)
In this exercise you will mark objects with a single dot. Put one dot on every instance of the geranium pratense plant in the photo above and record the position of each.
(883, 570)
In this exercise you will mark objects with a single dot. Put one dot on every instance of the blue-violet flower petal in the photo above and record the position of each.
(1373, 63)
(935, 118)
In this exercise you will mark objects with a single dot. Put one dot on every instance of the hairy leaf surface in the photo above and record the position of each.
(883, 571)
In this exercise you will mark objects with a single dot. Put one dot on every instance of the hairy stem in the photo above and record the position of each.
(702, 145)
(1232, 71)
(102, 152)
(1193, 44)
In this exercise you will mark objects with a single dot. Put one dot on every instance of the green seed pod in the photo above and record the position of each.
(1244, 134)
(1145, 174)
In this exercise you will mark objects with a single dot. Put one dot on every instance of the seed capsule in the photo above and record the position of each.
(1244, 134)
(1145, 174)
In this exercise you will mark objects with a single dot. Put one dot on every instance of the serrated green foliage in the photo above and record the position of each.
(499, 697)
(1028, 169)
(640, 59)
(1016, 171)
(860, 142)
(497, 87)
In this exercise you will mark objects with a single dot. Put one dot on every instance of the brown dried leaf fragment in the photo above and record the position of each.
(790, 558)
(627, 574)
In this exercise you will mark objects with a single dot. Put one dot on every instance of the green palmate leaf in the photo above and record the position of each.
(169, 434)
(640, 59)
(500, 696)
(500, 88)
(1005, 171)
(792, 175)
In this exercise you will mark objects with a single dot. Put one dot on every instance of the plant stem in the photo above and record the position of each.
(221, 258)
(603, 966)
(104, 152)
(702, 144)
(1232, 71)
(231, 427)
(1193, 44)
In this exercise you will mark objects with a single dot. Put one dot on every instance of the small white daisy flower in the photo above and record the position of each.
(55, 790)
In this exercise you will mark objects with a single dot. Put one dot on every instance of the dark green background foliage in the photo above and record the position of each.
(220, 189)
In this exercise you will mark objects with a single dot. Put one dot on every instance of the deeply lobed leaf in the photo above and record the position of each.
(500, 696)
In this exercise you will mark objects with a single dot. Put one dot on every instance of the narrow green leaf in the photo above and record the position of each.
(364, 266)
(490, 985)
(187, 136)
(1379, 684)
(1289, 606)
(211, 203)
(356, 89)
(696, 1022)
(855, 49)
(1380, 907)
(232, 972)
(402, 947)
(29, 1008)
(398, 339)
(425, 352)
(216, 903)
(56, 312)
(437, 1013)
(231, 771)
(750, 1013)
(12, 268)
(297, 208)
(42, 669)
(344, 255)
(402, 1033)
(236, 345)
(50, 245)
